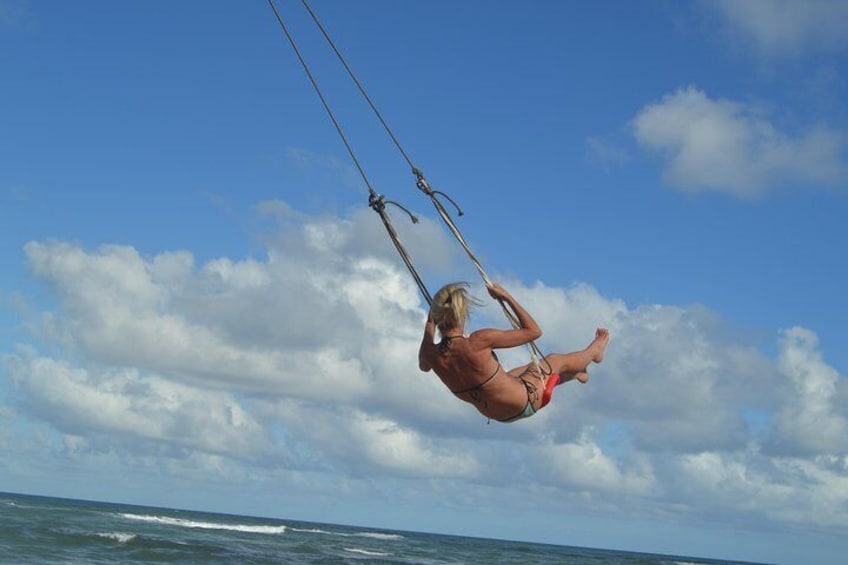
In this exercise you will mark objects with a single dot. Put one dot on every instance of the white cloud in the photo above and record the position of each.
(582, 465)
(814, 417)
(368, 441)
(7, 418)
(118, 308)
(788, 490)
(304, 361)
(726, 146)
(788, 27)
(125, 406)
(669, 375)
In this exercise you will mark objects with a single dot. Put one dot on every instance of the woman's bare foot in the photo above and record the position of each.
(582, 377)
(599, 345)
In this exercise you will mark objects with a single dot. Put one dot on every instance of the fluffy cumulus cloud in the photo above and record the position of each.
(303, 362)
(813, 418)
(582, 465)
(122, 406)
(721, 145)
(787, 27)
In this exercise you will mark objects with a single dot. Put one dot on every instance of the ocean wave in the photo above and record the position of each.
(377, 535)
(183, 523)
(372, 535)
(366, 552)
(311, 531)
(117, 536)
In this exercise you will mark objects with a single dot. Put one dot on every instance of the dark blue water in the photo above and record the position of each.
(41, 530)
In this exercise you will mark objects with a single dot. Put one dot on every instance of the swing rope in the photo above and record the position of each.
(378, 202)
(358, 84)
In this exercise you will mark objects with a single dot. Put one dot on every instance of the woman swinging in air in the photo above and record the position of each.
(469, 367)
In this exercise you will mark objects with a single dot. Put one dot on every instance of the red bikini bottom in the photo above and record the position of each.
(553, 380)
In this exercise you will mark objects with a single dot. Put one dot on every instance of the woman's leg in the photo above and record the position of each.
(572, 366)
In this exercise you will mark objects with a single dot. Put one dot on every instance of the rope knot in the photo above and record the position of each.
(376, 201)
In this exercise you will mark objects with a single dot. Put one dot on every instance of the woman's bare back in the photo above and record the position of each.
(473, 373)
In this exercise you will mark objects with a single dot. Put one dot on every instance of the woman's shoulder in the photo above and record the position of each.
(484, 338)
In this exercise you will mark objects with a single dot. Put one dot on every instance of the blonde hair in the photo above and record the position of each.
(450, 307)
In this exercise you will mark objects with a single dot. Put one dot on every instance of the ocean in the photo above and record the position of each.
(42, 530)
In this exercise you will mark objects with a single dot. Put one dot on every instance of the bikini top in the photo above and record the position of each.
(474, 390)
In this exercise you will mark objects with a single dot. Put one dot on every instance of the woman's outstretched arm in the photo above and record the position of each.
(527, 331)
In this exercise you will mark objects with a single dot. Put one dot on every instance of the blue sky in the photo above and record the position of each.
(197, 308)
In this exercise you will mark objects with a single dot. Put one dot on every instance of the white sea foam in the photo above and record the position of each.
(181, 522)
(377, 535)
(372, 535)
(117, 536)
(366, 552)
(311, 531)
